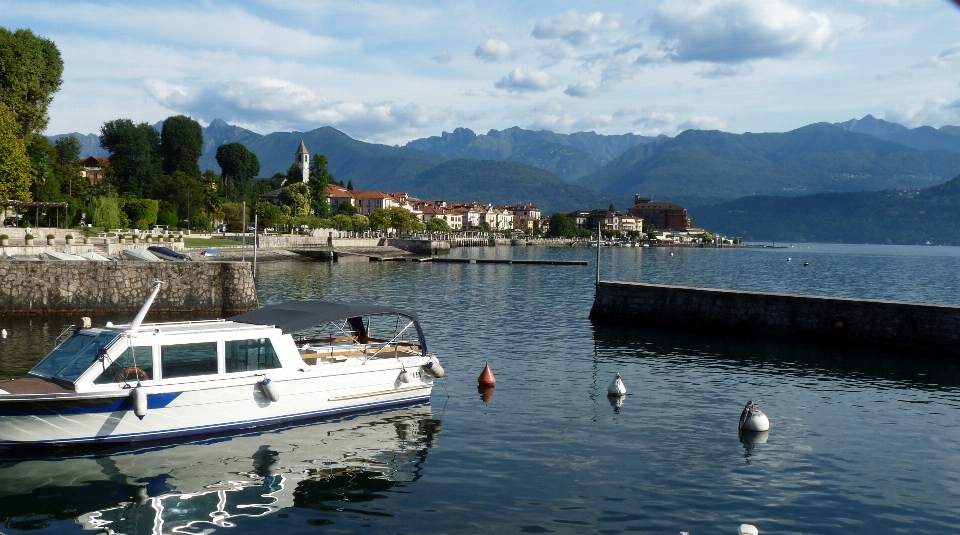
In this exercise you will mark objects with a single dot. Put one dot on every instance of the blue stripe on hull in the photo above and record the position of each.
(220, 428)
(83, 406)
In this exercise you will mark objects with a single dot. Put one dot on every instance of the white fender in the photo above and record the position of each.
(752, 419)
(747, 529)
(269, 389)
(139, 396)
(405, 376)
(433, 368)
(616, 387)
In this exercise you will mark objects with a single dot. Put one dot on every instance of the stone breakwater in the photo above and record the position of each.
(929, 328)
(120, 288)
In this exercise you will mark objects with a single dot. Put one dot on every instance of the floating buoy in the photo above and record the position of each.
(752, 419)
(139, 396)
(671, 254)
(486, 376)
(3, 333)
(789, 259)
(486, 393)
(405, 376)
(806, 264)
(616, 387)
(433, 368)
(269, 389)
(747, 529)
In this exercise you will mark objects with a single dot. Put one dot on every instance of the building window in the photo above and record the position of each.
(246, 355)
(188, 360)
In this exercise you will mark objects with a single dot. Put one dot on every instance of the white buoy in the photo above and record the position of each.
(405, 376)
(752, 419)
(269, 389)
(747, 529)
(3, 333)
(433, 368)
(616, 387)
(139, 396)
(789, 259)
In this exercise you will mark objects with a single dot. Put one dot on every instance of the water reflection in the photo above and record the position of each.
(203, 486)
(750, 439)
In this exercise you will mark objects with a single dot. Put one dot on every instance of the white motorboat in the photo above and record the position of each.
(166, 253)
(94, 256)
(281, 363)
(141, 255)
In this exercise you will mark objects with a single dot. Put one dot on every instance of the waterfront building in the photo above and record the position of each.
(453, 217)
(663, 215)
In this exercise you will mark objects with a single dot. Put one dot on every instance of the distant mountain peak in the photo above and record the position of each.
(872, 126)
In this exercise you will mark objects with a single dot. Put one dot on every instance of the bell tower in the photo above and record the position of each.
(303, 161)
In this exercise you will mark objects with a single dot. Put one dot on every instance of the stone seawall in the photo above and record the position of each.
(120, 288)
(931, 328)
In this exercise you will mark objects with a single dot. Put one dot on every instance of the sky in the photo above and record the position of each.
(390, 72)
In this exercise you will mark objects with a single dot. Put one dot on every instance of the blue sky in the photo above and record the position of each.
(394, 71)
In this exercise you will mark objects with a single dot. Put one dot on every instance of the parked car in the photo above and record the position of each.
(13, 221)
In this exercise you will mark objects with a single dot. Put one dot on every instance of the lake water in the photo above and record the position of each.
(860, 442)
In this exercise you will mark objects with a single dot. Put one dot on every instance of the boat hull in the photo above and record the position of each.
(203, 407)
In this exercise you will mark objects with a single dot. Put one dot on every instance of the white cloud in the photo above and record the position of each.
(702, 122)
(576, 28)
(586, 89)
(493, 51)
(724, 70)
(734, 31)
(933, 112)
(519, 81)
(280, 104)
(946, 57)
(442, 58)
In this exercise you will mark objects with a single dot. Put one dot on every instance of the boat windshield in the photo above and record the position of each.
(72, 357)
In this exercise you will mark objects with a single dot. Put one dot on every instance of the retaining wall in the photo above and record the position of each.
(933, 328)
(120, 288)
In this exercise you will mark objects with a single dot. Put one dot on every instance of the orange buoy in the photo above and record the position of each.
(486, 393)
(486, 376)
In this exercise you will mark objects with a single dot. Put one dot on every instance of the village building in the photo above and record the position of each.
(92, 169)
(453, 217)
(662, 215)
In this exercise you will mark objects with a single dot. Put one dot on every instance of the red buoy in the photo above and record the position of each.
(486, 377)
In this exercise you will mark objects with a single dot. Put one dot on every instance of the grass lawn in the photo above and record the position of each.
(208, 242)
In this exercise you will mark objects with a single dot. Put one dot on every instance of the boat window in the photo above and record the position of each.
(135, 364)
(187, 360)
(244, 355)
(73, 356)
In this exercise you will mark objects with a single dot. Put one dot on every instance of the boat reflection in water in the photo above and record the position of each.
(205, 485)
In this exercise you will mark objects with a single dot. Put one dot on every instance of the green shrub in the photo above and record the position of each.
(69, 236)
(4, 237)
(51, 237)
(28, 237)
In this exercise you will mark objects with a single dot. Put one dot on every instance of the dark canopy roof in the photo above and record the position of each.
(293, 316)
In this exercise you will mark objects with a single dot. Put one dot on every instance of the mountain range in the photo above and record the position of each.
(588, 170)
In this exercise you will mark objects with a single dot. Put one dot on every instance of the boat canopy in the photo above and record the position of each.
(294, 316)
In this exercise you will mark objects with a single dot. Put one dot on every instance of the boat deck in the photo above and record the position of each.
(32, 385)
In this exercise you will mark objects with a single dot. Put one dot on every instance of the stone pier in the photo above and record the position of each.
(928, 328)
(119, 288)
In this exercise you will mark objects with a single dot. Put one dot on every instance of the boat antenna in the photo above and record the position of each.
(135, 324)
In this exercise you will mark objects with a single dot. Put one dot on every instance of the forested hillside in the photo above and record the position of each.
(912, 216)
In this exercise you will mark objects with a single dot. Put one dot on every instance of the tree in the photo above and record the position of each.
(268, 213)
(360, 222)
(105, 212)
(31, 71)
(135, 163)
(238, 165)
(561, 226)
(141, 212)
(438, 224)
(319, 178)
(68, 150)
(342, 222)
(346, 209)
(350, 185)
(181, 145)
(380, 219)
(297, 197)
(14, 163)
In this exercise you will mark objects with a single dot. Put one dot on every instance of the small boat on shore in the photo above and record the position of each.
(166, 253)
(282, 363)
(56, 255)
(140, 255)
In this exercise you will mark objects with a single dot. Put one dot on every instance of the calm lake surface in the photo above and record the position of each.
(860, 442)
